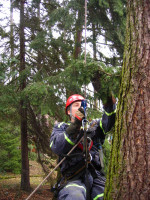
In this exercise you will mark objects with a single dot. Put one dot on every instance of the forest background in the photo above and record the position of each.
(42, 62)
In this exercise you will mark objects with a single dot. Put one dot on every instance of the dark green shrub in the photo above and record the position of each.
(10, 154)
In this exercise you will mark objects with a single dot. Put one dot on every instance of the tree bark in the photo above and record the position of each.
(95, 58)
(25, 181)
(39, 57)
(79, 30)
(129, 171)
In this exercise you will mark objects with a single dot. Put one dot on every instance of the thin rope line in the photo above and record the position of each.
(85, 28)
(85, 40)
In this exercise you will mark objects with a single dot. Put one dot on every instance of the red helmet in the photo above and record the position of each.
(72, 99)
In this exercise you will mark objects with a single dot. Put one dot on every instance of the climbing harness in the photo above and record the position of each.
(90, 144)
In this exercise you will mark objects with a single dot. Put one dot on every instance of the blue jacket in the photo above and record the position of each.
(61, 143)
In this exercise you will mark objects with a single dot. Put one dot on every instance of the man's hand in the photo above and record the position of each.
(73, 129)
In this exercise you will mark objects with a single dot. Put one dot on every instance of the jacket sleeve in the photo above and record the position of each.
(108, 118)
(60, 141)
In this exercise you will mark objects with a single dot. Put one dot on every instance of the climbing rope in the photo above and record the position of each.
(85, 41)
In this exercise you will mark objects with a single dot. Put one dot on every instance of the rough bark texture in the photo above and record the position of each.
(25, 182)
(79, 30)
(129, 171)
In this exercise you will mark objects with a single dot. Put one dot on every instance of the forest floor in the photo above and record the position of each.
(10, 185)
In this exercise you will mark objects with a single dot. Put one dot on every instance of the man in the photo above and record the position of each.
(65, 135)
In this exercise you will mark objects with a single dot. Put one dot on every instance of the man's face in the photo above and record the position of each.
(75, 106)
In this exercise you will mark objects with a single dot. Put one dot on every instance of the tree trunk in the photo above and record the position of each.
(25, 182)
(95, 58)
(79, 30)
(39, 58)
(94, 42)
(129, 171)
(11, 30)
(77, 45)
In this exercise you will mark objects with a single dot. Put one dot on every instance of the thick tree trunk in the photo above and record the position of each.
(25, 182)
(129, 172)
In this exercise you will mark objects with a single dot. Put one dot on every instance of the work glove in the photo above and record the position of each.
(79, 115)
(74, 128)
(92, 128)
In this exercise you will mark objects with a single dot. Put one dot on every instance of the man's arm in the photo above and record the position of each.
(64, 137)
(60, 141)
(108, 118)
(100, 127)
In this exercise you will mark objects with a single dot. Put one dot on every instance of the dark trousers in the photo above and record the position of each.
(76, 190)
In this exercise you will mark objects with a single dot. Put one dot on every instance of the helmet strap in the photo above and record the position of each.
(71, 116)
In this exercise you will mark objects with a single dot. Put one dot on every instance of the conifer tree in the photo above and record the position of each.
(11, 29)
(25, 181)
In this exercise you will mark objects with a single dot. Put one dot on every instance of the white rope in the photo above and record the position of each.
(85, 40)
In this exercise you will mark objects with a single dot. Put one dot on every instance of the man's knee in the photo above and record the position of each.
(73, 191)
